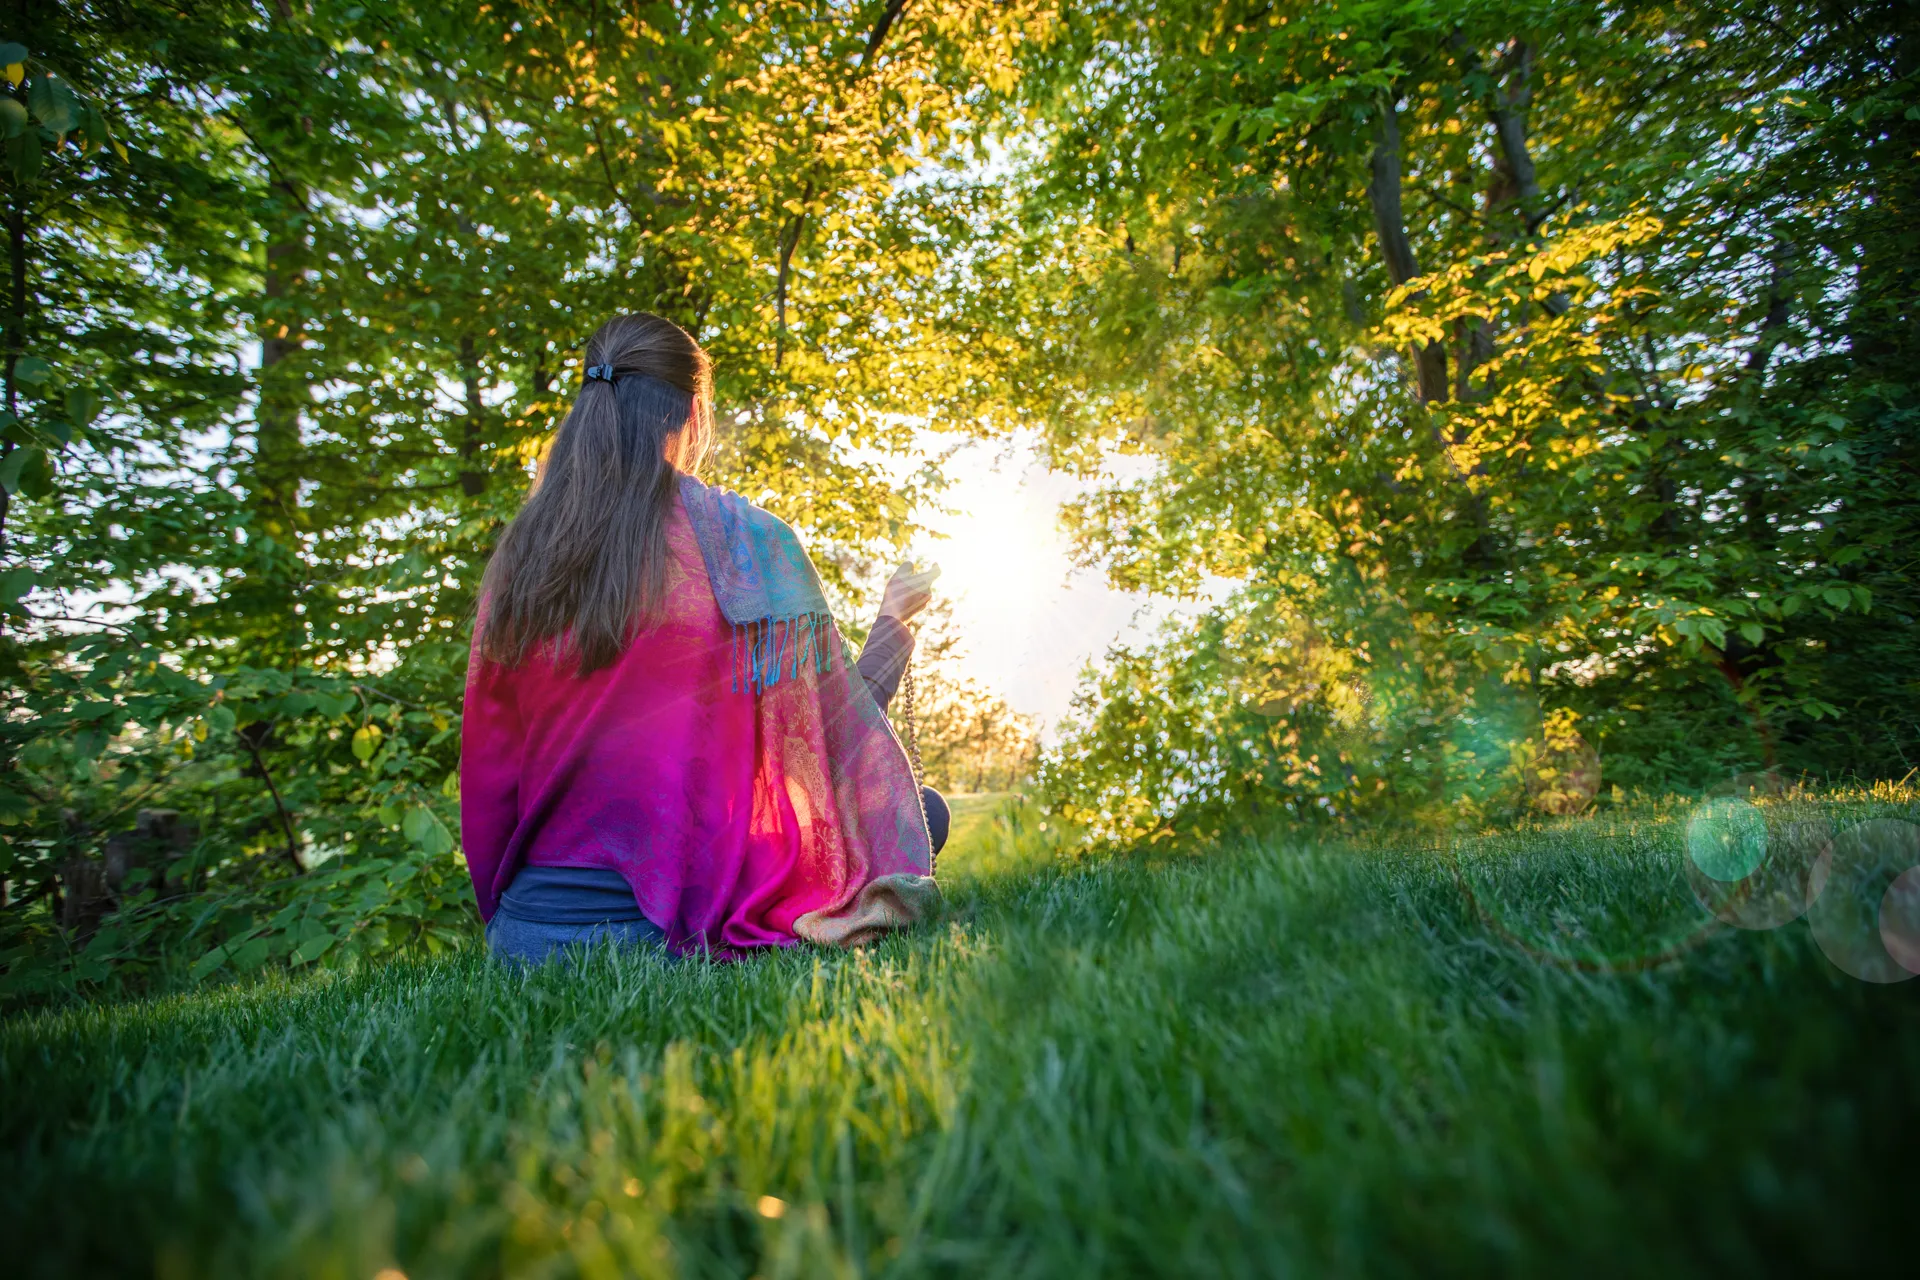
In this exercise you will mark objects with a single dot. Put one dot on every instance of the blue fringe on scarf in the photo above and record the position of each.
(764, 653)
(766, 587)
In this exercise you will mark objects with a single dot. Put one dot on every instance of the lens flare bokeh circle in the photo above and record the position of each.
(1778, 891)
(1726, 840)
(1866, 897)
(1900, 919)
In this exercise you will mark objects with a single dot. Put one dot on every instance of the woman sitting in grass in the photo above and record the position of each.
(663, 739)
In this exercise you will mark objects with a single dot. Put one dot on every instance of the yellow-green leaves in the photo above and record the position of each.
(1605, 437)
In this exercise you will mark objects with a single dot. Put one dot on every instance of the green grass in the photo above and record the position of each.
(1277, 1058)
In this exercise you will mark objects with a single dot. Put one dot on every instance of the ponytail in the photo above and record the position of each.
(583, 567)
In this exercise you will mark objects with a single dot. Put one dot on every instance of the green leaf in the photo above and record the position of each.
(13, 117)
(36, 474)
(32, 369)
(332, 706)
(83, 406)
(221, 719)
(313, 948)
(15, 465)
(11, 52)
(253, 954)
(15, 583)
(13, 807)
(1753, 632)
(23, 157)
(206, 964)
(1838, 597)
(52, 102)
(417, 823)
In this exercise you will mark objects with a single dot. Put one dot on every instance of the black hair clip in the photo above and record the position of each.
(600, 372)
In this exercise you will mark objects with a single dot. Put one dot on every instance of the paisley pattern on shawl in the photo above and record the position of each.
(731, 764)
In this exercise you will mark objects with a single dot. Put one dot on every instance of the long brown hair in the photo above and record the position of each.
(584, 565)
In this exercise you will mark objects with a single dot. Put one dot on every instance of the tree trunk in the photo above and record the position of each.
(1473, 343)
(1519, 181)
(16, 326)
(1508, 109)
(276, 454)
(1429, 361)
(275, 494)
(1773, 331)
(473, 481)
(1390, 226)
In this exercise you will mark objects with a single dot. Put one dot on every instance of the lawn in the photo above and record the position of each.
(1294, 1054)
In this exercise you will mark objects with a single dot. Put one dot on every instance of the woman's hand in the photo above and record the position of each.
(908, 592)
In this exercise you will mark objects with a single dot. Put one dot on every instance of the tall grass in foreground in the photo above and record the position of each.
(1276, 1057)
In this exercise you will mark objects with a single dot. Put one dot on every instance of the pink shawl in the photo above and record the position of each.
(742, 814)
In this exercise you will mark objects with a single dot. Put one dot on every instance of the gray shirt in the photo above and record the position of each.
(884, 660)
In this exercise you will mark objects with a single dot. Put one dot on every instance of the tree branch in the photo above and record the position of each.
(790, 235)
(887, 17)
(1465, 211)
(789, 241)
(1773, 329)
(473, 481)
(1390, 227)
(1507, 109)
(606, 167)
(249, 735)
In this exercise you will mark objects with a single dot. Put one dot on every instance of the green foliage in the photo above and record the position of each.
(294, 297)
(367, 867)
(1273, 1059)
(1564, 355)
(1519, 368)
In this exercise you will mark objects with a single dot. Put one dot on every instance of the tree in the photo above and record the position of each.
(242, 591)
(1511, 360)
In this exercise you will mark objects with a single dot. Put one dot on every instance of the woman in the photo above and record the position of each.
(663, 739)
